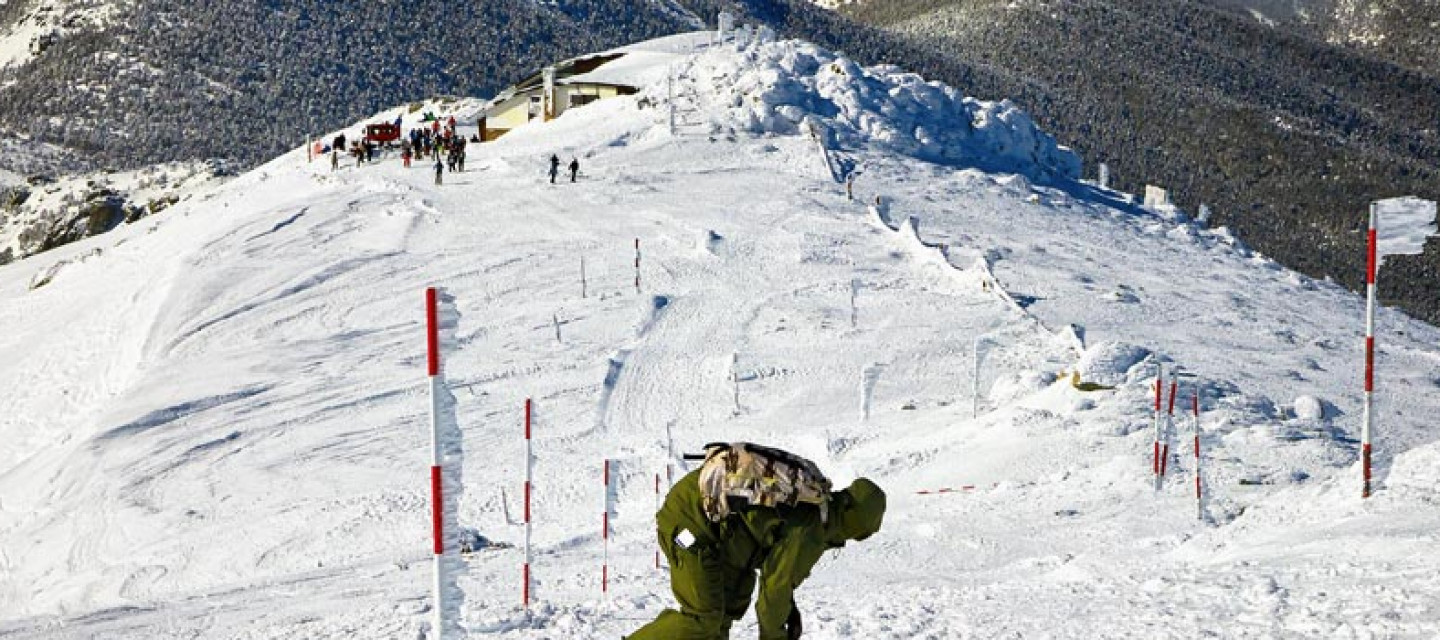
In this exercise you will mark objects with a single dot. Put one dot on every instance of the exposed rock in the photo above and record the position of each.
(12, 197)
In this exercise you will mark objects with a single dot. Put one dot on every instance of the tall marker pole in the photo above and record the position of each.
(975, 382)
(1371, 266)
(637, 265)
(605, 536)
(1169, 426)
(1155, 460)
(657, 510)
(437, 506)
(1409, 223)
(1199, 500)
(529, 460)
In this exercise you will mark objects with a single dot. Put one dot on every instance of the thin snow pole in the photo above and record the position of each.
(1159, 391)
(555, 319)
(1169, 426)
(657, 510)
(670, 96)
(584, 293)
(529, 459)
(1199, 498)
(735, 377)
(437, 504)
(854, 309)
(1369, 413)
(637, 265)
(605, 535)
(975, 384)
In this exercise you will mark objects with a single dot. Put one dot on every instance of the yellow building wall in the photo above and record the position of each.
(511, 113)
(515, 112)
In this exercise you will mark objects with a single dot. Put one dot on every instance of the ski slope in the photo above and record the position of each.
(216, 420)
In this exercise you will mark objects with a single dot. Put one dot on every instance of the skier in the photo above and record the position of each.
(554, 167)
(749, 509)
(574, 168)
(334, 159)
(439, 171)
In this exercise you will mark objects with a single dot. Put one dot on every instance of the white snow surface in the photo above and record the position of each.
(218, 426)
(53, 19)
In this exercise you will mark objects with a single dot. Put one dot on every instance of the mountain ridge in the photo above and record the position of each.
(232, 438)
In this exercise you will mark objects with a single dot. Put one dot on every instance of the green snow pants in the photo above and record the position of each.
(712, 594)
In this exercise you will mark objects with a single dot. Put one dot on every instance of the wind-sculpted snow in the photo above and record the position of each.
(776, 86)
(228, 437)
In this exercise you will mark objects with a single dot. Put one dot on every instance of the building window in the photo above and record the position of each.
(535, 107)
(577, 100)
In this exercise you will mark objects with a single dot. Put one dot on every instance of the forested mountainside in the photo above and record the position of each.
(1405, 32)
(171, 79)
(1402, 32)
(1285, 136)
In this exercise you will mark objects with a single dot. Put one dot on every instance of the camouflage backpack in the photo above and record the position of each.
(740, 474)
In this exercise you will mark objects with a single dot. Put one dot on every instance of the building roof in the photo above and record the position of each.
(632, 66)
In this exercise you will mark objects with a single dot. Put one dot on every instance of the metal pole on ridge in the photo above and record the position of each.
(1169, 425)
(1369, 413)
(437, 504)
(1199, 499)
(525, 573)
(1409, 223)
(605, 536)
(1155, 460)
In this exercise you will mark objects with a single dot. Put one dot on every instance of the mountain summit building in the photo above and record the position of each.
(576, 82)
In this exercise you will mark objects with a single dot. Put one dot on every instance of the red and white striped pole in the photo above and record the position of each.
(637, 265)
(1370, 268)
(1155, 460)
(1199, 500)
(605, 535)
(529, 461)
(437, 503)
(1169, 427)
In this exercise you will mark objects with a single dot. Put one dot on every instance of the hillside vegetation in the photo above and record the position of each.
(1285, 137)
(245, 80)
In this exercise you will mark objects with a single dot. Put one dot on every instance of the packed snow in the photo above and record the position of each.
(41, 211)
(217, 422)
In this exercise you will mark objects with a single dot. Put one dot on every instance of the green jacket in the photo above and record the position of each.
(783, 543)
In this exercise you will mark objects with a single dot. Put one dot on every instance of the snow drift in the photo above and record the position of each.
(760, 85)
(216, 424)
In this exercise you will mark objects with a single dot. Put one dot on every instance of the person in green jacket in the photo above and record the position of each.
(713, 565)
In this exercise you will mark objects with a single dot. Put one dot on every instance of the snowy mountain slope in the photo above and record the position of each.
(30, 27)
(232, 443)
(43, 212)
(1279, 130)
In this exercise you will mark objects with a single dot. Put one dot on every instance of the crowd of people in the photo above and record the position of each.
(438, 141)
